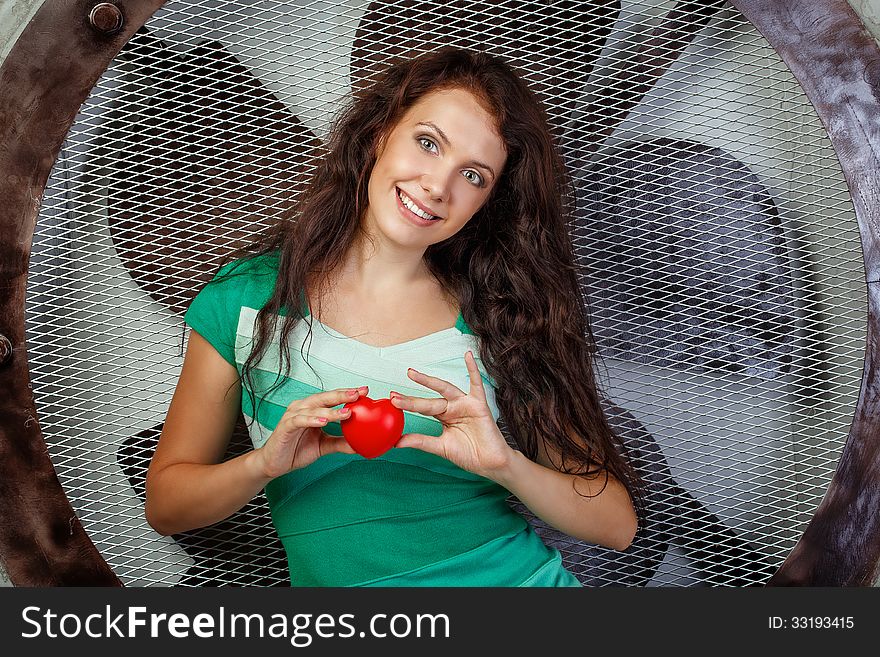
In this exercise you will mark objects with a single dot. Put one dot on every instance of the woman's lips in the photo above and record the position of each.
(412, 216)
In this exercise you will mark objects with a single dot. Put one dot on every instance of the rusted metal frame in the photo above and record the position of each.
(837, 62)
(45, 79)
(46, 87)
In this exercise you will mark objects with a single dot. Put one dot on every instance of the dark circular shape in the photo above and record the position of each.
(106, 17)
(650, 209)
(5, 350)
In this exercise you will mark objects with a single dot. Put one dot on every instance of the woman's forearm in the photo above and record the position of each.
(557, 498)
(185, 496)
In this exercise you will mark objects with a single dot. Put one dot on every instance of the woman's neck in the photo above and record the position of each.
(379, 278)
(381, 268)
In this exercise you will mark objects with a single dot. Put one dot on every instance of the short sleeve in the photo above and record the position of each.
(215, 310)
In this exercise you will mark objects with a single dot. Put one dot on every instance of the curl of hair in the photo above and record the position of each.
(511, 267)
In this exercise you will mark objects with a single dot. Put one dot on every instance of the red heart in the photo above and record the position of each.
(373, 427)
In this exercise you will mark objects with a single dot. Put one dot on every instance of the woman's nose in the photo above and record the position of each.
(436, 185)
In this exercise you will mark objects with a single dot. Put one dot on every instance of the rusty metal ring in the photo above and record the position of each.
(825, 555)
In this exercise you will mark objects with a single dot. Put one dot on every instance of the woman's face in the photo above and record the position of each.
(434, 171)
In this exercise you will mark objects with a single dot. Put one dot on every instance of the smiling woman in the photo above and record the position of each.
(433, 239)
(437, 166)
(428, 181)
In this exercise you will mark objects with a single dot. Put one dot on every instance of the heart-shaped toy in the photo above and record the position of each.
(373, 427)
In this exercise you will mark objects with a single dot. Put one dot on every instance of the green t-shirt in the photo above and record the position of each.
(406, 518)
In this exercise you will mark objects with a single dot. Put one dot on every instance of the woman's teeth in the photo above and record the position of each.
(415, 209)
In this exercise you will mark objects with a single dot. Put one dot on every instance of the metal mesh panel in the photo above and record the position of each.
(718, 244)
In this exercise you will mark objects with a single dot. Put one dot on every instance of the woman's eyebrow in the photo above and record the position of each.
(445, 140)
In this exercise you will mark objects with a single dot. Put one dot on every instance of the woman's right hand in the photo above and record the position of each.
(298, 440)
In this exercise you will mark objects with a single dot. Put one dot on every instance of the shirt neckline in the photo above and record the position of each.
(460, 327)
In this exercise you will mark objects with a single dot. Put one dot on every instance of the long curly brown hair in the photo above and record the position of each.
(511, 267)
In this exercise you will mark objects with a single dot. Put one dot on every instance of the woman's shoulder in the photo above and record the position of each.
(261, 265)
(246, 281)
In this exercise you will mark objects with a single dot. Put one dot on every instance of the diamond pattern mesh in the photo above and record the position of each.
(717, 239)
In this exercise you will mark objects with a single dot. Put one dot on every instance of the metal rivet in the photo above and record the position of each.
(106, 17)
(872, 73)
(5, 350)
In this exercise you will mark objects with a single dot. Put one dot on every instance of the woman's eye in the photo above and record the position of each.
(474, 177)
(427, 144)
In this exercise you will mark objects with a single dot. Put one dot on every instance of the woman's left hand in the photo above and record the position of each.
(470, 438)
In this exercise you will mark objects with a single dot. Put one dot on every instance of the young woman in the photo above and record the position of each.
(427, 261)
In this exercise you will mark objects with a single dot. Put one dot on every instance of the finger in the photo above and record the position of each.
(430, 444)
(474, 373)
(291, 422)
(330, 397)
(439, 385)
(334, 444)
(330, 413)
(431, 406)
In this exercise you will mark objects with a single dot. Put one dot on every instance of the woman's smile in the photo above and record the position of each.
(415, 211)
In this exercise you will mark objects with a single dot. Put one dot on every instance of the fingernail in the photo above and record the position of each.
(364, 388)
(322, 419)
